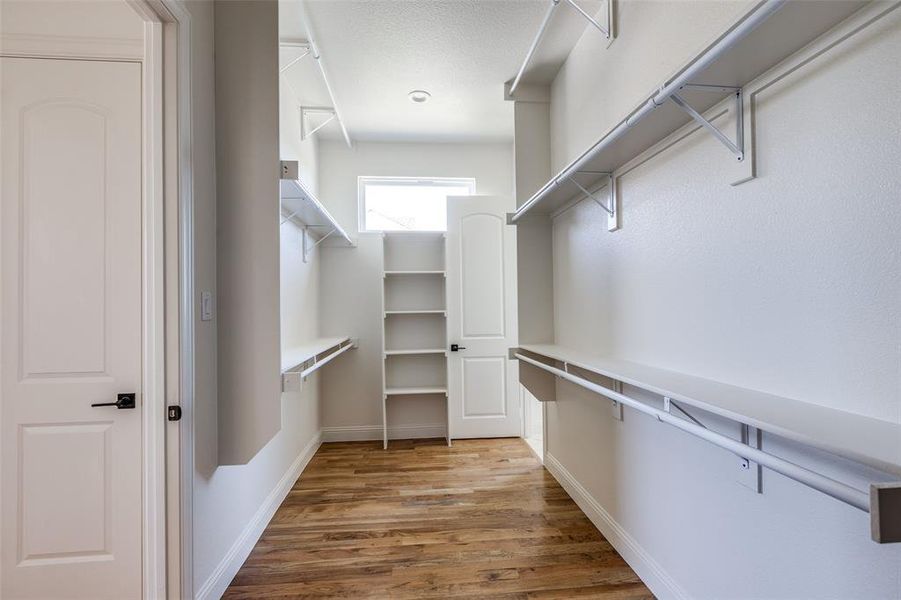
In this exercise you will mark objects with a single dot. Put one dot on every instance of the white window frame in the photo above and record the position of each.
(364, 180)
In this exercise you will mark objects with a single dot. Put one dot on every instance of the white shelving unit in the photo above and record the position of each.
(772, 31)
(867, 441)
(415, 324)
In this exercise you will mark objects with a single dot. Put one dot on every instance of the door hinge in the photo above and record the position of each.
(174, 413)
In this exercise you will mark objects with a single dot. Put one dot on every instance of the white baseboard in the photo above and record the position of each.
(536, 445)
(225, 571)
(359, 433)
(652, 574)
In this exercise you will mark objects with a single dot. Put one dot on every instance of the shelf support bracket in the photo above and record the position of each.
(305, 51)
(289, 217)
(736, 147)
(610, 205)
(306, 111)
(750, 473)
(308, 249)
(592, 20)
(671, 402)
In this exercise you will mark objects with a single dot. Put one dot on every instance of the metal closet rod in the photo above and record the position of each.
(319, 364)
(764, 11)
(525, 63)
(826, 485)
(314, 50)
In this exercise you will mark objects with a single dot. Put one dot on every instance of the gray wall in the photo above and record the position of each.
(789, 284)
(247, 169)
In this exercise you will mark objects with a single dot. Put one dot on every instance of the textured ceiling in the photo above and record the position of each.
(461, 51)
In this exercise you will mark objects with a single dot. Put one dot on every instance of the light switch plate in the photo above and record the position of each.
(206, 306)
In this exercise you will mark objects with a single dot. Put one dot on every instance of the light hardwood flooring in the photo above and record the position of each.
(421, 520)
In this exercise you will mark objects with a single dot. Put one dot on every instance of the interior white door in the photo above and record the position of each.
(70, 316)
(483, 400)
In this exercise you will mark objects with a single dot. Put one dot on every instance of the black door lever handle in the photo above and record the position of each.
(456, 347)
(122, 401)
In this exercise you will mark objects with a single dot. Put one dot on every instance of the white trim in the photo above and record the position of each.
(651, 573)
(536, 449)
(181, 18)
(154, 397)
(536, 445)
(361, 433)
(226, 570)
(160, 15)
(28, 45)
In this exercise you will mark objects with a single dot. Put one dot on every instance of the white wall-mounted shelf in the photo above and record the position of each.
(414, 391)
(870, 441)
(303, 207)
(390, 273)
(440, 311)
(297, 356)
(769, 33)
(424, 234)
(415, 351)
(303, 361)
(865, 440)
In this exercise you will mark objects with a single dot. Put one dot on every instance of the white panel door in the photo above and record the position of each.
(483, 397)
(70, 316)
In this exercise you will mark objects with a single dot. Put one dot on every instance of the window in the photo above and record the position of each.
(408, 204)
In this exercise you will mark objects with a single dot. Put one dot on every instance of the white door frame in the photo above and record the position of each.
(167, 141)
(169, 466)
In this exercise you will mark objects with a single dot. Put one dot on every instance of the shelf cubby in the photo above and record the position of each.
(412, 331)
(414, 252)
(415, 371)
(414, 293)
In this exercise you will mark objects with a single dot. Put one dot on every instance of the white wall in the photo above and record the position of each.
(790, 284)
(305, 152)
(351, 278)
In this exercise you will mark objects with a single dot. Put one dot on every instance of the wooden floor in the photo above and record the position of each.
(421, 520)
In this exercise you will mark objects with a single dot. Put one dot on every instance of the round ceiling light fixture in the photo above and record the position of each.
(419, 96)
